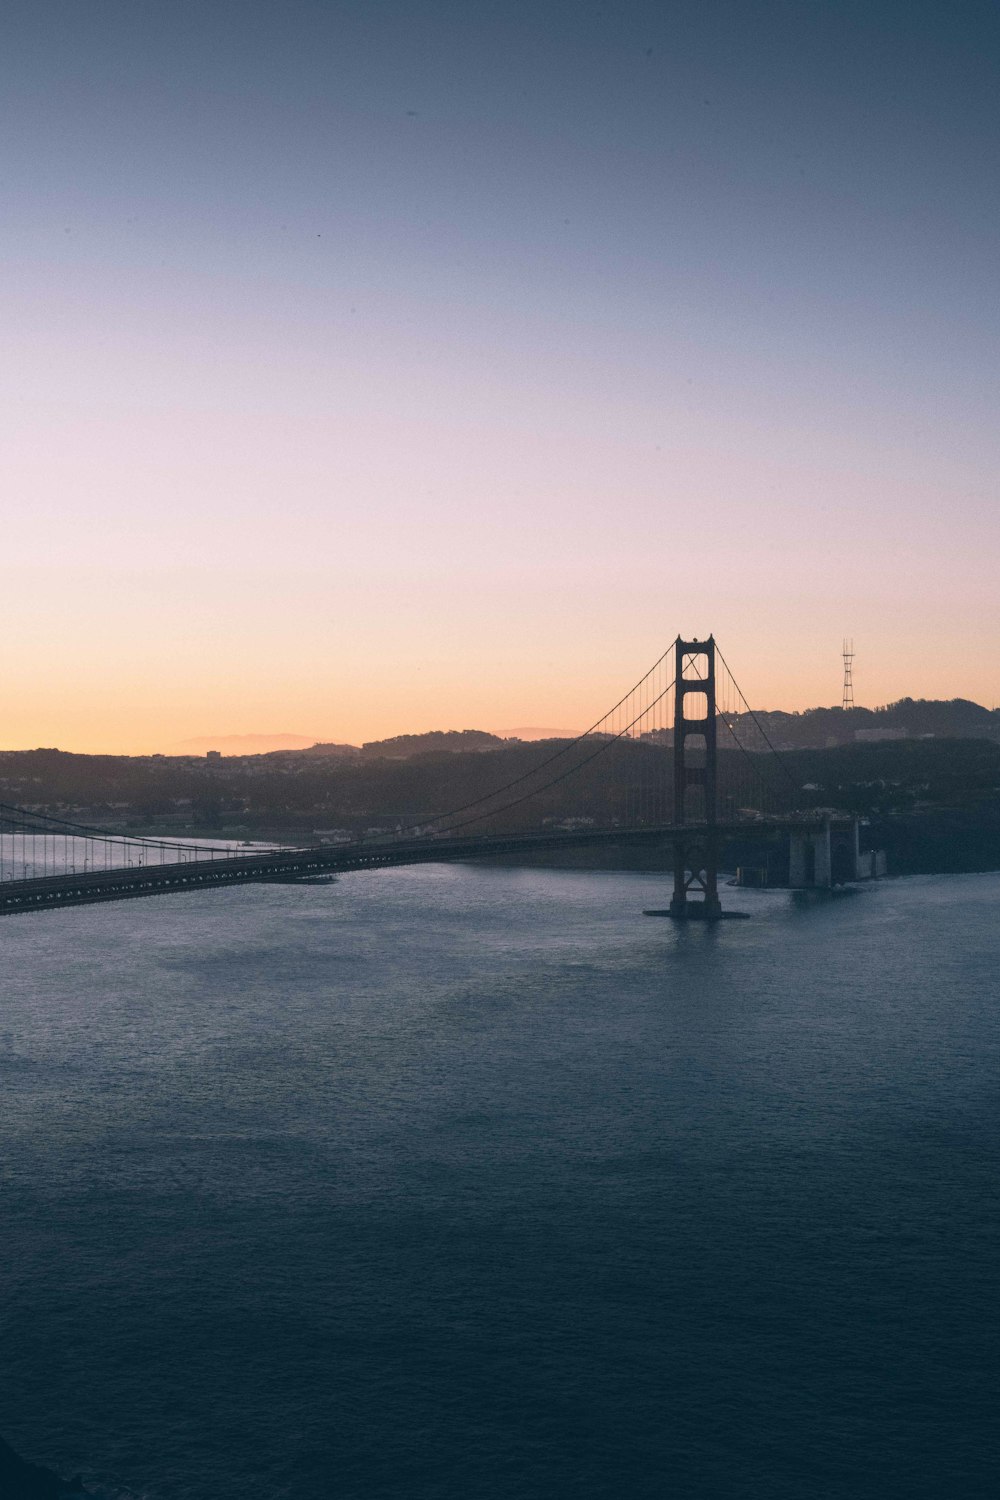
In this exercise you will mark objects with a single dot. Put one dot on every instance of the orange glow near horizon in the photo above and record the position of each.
(247, 667)
(439, 379)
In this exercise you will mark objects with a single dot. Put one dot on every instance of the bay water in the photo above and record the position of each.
(472, 1182)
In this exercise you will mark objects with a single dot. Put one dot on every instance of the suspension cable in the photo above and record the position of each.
(766, 738)
(564, 749)
(571, 771)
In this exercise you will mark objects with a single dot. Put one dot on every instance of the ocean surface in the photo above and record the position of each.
(476, 1184)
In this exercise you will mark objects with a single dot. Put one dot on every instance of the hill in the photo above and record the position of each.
(934, 803)
(450, 741)
(907, 718)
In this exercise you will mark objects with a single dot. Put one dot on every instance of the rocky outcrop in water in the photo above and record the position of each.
(20, 1480)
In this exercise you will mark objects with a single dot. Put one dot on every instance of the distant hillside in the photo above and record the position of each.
(451, 741)
(934, 802)
(908, 718)
(328, 748)
(812, 729)
(532, 732)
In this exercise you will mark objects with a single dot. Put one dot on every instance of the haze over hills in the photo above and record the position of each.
(532, 733)
(814, 728)
(266, 744)
(241, 744)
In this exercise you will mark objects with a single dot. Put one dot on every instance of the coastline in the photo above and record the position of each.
(21, 1480)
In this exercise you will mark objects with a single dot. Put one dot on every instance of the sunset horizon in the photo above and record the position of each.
(443, 370)
(193, 738)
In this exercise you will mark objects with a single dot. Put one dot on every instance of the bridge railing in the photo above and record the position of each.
(36, 845)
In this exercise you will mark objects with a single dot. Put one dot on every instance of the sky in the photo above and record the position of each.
(378, 367)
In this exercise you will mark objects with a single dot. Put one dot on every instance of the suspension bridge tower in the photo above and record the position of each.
(696, 854)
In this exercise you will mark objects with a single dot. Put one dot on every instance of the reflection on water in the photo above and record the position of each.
(467, 1182)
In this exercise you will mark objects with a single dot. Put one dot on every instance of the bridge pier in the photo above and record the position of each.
(810, 858)
(696, 869)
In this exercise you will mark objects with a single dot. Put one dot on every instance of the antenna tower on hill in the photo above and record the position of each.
(848, 680)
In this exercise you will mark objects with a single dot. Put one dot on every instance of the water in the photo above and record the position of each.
(476, 1183)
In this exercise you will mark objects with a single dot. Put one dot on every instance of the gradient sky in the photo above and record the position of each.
(381, 367)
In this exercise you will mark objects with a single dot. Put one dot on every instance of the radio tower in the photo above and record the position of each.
(848, 681)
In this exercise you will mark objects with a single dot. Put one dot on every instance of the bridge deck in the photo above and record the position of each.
(42, 893)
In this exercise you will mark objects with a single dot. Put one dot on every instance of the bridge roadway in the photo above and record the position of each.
(43, 893)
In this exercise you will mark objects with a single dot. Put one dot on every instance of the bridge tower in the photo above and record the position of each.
(696, 855)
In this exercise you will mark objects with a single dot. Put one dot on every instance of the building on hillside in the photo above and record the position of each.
(877, 736)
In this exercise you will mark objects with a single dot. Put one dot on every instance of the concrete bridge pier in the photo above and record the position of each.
(810, 858)
(695, 869)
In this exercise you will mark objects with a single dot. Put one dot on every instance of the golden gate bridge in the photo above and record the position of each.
(679, 763)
